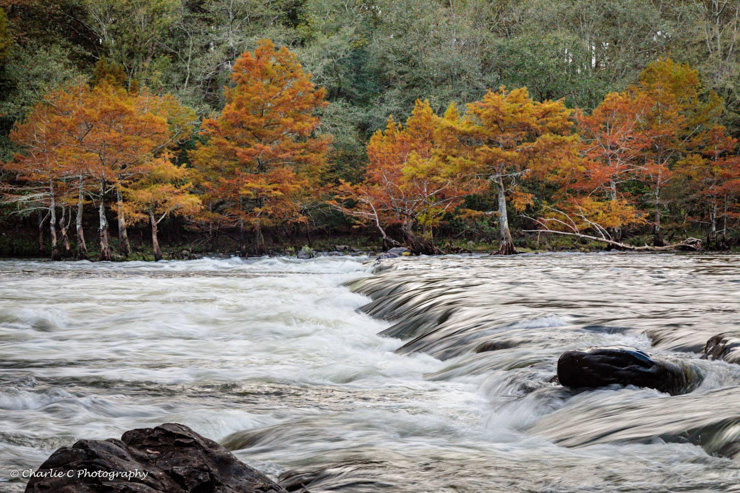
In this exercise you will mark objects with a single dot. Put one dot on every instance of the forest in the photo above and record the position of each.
(165, 128)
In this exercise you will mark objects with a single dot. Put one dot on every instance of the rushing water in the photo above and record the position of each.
(275, 359)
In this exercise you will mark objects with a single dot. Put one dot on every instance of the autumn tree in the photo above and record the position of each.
(710, 177)
(416, 174)
(45, 162)
(93, 141)
(614, 143)
(512, 137)
(117, 135)
(113, 140)
(680, 112)
(163, 189)
(262, 157)
(632, 143)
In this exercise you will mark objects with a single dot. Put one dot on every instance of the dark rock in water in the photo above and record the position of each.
(494, 346)
(599, 367)
(170, 458)
(395, 253)
(723, 346)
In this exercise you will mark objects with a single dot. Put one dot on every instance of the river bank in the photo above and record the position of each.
(24, 243)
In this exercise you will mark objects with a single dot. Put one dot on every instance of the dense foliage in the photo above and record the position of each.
(609, 120)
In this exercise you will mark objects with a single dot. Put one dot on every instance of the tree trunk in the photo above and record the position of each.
(42, 243)
(125, 245)
(259, 240)
(506, 244)
(615, 232)
(713, 226)
(724, 219)
(104, 247)
(63, 226)
(308, 234)
(416, 244)
(211, 236)
(657, 237)
(242, 239)
(53, 221)
(81, 245)
(155, 240)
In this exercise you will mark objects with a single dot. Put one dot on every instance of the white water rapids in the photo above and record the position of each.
(274, 359)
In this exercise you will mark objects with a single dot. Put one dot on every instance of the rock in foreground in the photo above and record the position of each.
(170, 458)
(599, 367)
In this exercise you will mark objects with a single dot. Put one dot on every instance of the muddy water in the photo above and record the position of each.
(285, 364)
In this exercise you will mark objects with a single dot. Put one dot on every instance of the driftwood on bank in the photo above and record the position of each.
(687, 244)
(571, 226)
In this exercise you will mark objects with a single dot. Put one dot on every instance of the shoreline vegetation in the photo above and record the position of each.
(116, 156)
(377, 251)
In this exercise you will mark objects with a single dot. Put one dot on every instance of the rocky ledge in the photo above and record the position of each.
(170, 458)
(599, 367)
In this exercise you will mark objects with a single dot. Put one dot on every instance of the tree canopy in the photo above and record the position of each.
(614, 120)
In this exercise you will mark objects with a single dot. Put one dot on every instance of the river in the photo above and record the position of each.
(283, 362)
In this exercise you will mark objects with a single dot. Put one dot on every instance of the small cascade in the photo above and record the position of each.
(482, 319)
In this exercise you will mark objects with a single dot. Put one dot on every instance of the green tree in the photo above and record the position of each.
(132, 31)
(5, 38)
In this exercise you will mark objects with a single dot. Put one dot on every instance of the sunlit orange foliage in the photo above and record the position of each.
(712, 176)
(104, 135)
(514, 138)
(416, 174)
(262, 158)
(680, 112)
(615, 140)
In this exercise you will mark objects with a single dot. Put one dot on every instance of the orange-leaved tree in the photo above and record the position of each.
(164, 189)
(101, 139)
(512, 138)
(615, 140)
(711, 178)
(680, 113)
(117, 138)
(44, 164)
(416, 174)
(262, 156)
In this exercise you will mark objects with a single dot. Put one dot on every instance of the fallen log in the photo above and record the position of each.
(693, 244)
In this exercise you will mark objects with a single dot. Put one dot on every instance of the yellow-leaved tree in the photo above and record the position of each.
(416, 174)
(513, 138)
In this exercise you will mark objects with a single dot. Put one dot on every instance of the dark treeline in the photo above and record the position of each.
(114, 111)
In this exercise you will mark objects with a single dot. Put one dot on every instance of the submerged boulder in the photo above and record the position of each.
(724, 347)
(169, 458)
(599, 367)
